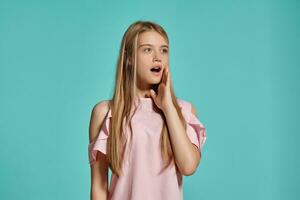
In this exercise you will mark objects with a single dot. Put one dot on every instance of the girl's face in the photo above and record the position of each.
(152, 52)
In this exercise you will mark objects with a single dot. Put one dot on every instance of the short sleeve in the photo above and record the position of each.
(99, 143)
(196, 131)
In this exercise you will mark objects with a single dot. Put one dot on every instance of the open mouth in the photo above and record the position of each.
(156, 69)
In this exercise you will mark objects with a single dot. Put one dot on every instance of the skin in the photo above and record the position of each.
(186, 154)
(150, 46)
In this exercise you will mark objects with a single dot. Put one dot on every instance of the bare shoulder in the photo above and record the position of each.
(101, 108)
(97, 117)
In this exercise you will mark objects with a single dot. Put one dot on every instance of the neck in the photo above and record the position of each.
(145, 93)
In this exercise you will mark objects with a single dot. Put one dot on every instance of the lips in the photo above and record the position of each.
(156, 69)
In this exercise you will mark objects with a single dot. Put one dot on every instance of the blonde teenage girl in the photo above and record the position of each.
(144, 134)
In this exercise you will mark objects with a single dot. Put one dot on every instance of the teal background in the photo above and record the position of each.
(236, 61)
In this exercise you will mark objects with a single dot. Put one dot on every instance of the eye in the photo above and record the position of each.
(147, 50)
(165, 50)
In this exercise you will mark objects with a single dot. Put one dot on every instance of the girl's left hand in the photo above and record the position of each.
(163, 98)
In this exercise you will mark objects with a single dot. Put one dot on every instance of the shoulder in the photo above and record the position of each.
(98, 114)
(101, 108)
(186, 105)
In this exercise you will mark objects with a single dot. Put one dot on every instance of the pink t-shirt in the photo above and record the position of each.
(142, 165)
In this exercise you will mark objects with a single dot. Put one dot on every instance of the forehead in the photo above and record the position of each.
(151, 37)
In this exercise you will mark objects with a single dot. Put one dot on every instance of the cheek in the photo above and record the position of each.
(143, 61)
(141, 69)
(143, 58)
(166, 63)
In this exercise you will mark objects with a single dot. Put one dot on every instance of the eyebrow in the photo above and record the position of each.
(152, 45)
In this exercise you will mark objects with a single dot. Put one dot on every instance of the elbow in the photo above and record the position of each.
(190, 168)
(188, 171)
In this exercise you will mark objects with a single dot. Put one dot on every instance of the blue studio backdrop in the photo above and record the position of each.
(236, 61)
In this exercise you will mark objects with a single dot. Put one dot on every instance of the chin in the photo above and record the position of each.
(154, 82)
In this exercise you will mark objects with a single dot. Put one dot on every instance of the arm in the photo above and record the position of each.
(99, 169)
(186, 154)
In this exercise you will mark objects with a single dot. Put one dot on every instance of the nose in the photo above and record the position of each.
(155, 59)
(156, 55)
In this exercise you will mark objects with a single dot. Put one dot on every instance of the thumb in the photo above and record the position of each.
(152, 93)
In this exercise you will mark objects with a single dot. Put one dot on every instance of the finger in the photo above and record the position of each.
(165, 76)
(168, 74)
(168, 78)
(152, 94)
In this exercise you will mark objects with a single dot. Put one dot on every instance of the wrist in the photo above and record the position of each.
(170, 108)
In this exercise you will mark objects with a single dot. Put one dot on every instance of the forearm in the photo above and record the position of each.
(185, 154)
(99, 187)
(96, 194)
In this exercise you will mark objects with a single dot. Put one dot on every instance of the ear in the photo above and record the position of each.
(128, 58)
(128, 62)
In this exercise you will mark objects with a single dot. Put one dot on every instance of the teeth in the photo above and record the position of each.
(157, 67)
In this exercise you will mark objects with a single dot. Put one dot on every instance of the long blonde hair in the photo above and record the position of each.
(124, 95)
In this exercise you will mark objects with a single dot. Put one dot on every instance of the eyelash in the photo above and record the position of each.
(165, 50)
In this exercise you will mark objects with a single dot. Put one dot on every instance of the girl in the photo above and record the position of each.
(144, 134)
